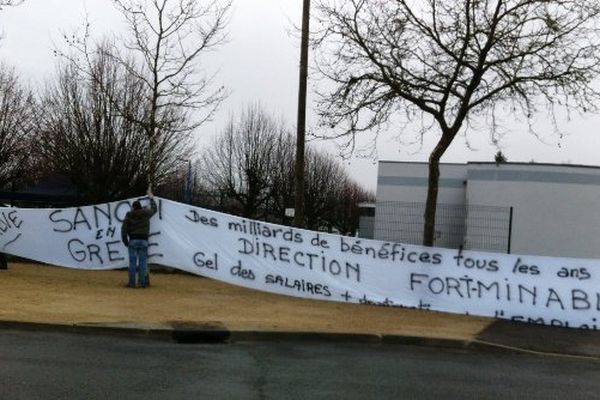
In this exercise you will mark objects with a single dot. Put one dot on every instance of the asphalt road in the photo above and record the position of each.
(47, 365)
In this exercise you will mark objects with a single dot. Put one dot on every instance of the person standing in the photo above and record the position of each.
(134, 233)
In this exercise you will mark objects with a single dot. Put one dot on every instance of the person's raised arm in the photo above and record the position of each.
(152, 210)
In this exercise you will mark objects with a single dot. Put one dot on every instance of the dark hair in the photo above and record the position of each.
(136, 205)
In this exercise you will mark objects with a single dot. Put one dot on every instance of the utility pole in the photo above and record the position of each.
(301, 123)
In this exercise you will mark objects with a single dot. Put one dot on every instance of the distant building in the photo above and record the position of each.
(523, 208)
(366, 220)
(49, 191)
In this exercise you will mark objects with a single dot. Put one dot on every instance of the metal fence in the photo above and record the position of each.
(469, 226)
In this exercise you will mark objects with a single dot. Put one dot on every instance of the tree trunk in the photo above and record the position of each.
(432, 188)
(152, 138)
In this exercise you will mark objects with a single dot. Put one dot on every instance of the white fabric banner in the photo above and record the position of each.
(315, 265)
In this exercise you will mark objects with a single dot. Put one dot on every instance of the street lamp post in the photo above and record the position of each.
(188, 185)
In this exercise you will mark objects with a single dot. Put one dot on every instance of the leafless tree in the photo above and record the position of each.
(167, 40)
(17, 122)
(445, 65)
(346, 215)
(324, 176)
(169, 37)
(250, 167)
(241, 161)
(85, 136)
(332, 197)
(283, 190)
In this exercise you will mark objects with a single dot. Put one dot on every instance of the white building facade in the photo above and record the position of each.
(521, 208)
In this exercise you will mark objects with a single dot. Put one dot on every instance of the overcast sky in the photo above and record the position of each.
(259, 63)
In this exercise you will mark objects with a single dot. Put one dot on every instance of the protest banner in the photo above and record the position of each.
(315, 265)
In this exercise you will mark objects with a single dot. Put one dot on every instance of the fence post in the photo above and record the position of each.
(510, 221)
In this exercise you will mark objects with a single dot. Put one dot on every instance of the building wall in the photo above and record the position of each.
(555, 207)
(407, 182)
(401, 193)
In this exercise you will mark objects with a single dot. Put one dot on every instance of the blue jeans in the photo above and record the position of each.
(138, 258)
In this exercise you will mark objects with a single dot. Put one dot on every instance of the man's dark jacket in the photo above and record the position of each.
(137, 223)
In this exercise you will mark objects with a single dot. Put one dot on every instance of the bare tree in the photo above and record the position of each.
(241, 161)
(17, 121)
(85, 137)
(283, 190)
(324, 176)
(250, 168)
(167, 40)
(447, 64)
(346, 215)
(169, 37)
(331, 195)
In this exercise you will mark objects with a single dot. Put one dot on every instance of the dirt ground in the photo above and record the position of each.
(47, 294)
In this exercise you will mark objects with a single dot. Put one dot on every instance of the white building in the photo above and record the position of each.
(522, 208)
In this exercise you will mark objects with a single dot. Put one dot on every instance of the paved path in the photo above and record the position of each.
(182, 304)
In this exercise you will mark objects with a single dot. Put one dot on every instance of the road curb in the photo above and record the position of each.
(216, 333)
(84, 328)
(282, 336)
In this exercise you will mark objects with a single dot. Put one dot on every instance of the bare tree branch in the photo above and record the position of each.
(10, 3)
(454, 61)
(251, 165)
(166, 43)
(90, 131)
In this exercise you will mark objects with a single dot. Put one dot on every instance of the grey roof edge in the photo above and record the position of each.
(494, 163)
(416, 162)
(535, 164)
